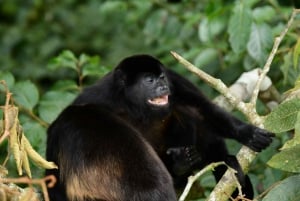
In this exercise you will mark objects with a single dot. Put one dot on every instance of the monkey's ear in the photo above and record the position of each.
(120, 78)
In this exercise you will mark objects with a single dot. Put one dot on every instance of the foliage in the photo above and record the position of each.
(38, 111)
(287, 190)
(283, 118)
(44, 78)
(286, 117)
(35, 31)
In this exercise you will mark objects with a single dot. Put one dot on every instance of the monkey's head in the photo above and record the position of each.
(143, 83)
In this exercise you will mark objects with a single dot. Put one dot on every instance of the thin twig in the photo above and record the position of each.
(267, 66)
(192, 179)
(215, 83)
(34, 117)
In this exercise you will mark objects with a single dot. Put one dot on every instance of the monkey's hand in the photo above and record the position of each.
(255, 138)
(183, 159)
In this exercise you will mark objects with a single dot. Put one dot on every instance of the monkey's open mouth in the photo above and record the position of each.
(160, 101)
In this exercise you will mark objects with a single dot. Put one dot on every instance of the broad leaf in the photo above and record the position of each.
(154, 25)
(8, 78)
(260, 42)
(296, 139)
(263, 14)
(91, 66)
(65, 85)
(283, 118)
(111, 6)
(26, 94)
(239, 27)
(210, 27)
(65, 60)
(287, 190)
(53, 103)
(287, 160)
(205, 57)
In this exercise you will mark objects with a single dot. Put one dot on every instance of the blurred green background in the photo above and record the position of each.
(34, 31)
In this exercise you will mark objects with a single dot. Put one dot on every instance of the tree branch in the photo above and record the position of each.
(226, 185)
(193, 178)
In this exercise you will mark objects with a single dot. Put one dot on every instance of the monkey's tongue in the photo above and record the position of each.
(161, 100)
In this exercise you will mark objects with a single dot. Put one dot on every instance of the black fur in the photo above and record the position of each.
(100, 157)
(187, 133)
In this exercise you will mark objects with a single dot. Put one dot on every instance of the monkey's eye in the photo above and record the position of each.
(162, 76)
(149, 79)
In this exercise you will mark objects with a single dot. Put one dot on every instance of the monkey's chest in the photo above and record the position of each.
(156, 135)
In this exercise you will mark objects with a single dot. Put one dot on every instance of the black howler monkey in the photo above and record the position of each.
(109, 143)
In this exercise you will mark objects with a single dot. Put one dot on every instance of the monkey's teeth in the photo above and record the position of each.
(162, 100)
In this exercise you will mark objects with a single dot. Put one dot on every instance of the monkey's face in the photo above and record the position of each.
(157, 90)
(150, 90)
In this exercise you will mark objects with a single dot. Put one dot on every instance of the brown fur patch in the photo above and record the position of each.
(94, 181)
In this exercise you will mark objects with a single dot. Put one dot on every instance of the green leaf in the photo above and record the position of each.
(112, 6)
(94, 70)
(26, 94)
(205, 57)
(251, 3)
(263, 14)
(83, 59)
(65, 60)
(155, 24)
(283, 118)
(270, 176)
(296, 139)
(296, 54)
(287, 190)
(210, 27)
(65, 85)
(287, 160)
(52, 103)
(91, 66)
(249, 63)
(239, 27)
(9, 79)
(208, 180)
(260, 42)
(173, 27)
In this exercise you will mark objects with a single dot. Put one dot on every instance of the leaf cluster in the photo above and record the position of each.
(286, 118)
(38, 110)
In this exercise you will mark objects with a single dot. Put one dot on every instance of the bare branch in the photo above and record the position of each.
(226, 185)
(267, 66)
(193, 178)
(215, 83)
